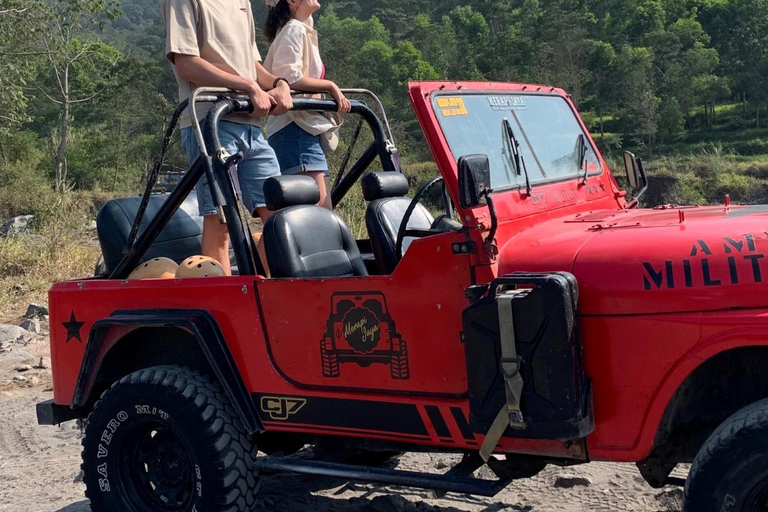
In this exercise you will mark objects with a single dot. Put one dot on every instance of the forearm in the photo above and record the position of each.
(203, 73)
(265, 79)
(307, 84)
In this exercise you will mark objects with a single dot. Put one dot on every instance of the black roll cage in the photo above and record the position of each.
(216, 164)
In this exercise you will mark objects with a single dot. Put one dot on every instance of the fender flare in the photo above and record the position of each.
(201, 324)
(699, 354)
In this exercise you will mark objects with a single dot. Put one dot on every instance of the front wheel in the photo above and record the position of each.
(730, 472)
(166, 439)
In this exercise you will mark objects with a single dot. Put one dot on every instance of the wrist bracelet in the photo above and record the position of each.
(280, 79)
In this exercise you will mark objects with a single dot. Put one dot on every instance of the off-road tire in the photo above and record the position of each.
(167, 439)
(330, 362)
(398, 363)
(730, 472)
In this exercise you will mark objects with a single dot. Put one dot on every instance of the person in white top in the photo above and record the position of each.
(295, 56)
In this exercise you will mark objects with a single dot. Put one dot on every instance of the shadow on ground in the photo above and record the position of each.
(290, 493)
(294, 494)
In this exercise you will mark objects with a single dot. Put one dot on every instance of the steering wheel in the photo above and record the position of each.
(402, 232)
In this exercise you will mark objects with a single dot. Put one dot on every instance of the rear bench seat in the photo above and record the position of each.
(180, 238)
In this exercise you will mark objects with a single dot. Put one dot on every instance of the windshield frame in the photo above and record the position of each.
(495, 92)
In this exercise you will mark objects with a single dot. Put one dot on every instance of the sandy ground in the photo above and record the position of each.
(40, 470)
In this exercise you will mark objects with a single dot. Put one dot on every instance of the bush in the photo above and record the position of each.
(742, 189)
(62, 247)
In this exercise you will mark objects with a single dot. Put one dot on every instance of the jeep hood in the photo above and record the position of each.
(652, 261)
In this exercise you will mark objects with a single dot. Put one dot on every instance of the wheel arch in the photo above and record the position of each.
(725, 381)
(130, 341)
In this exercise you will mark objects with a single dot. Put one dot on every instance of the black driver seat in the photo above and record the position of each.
(385, 193)
(303, 240)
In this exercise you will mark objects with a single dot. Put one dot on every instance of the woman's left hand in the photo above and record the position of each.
(341, 100)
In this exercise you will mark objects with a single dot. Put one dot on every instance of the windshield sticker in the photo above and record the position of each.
(452, 106)
(507, 103)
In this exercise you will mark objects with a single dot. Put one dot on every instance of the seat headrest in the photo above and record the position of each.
(284, 191)
(379, 185)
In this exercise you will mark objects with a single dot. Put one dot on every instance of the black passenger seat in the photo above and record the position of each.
(385, 193)
(304, 240)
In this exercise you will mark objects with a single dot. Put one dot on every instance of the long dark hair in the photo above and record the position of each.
(277, 17)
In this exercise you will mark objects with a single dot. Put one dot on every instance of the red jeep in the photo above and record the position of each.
(554, 323)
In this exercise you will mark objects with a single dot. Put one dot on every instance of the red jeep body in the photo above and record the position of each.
(673, 312)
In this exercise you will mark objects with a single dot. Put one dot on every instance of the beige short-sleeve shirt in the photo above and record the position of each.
(293, 55)
(221, 32)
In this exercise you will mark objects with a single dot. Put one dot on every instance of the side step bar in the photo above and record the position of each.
(446, 483)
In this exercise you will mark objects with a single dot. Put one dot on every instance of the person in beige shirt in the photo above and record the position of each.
(212, 43)
(295, 55)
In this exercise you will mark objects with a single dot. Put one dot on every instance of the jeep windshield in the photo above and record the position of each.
(545, 126)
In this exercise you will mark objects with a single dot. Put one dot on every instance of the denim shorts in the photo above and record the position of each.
(298, 151)
(259, 163)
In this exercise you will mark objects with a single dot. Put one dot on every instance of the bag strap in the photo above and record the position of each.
(510, 415)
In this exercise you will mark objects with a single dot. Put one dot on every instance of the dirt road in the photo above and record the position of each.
(40, 470)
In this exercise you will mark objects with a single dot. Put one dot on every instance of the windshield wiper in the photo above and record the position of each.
(583, 151)
(518, 160)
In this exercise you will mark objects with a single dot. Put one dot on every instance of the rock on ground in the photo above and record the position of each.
(21, 225)
(36, 310)
(32, 325)
(13, 334)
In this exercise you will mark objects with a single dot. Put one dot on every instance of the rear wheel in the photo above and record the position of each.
(167, 439)
(730, 472)
(330, 361)
(398, 363)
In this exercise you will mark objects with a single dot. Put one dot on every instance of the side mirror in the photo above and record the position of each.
(474, 180)
(633, 168)
(636, 177)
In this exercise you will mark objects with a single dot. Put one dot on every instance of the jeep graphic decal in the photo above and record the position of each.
(361, 331)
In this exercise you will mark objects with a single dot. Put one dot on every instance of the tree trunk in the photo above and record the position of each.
(61, 161)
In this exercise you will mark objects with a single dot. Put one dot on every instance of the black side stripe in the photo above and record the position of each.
(461, 422)
(356, 414)
(437, 421)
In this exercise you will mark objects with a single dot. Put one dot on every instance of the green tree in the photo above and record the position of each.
(77, 62)
(471, 31)
(671, 125)
(18, 60)
(637, 104)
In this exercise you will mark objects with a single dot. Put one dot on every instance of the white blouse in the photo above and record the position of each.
(293, 55)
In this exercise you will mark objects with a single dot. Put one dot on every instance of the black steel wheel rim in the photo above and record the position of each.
(156, 468)
(757, 500)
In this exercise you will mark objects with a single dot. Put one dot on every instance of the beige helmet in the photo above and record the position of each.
(200, 266)
(158, 268)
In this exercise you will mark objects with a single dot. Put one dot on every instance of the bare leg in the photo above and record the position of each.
(216, 241)
(263, 214)
(324, 184)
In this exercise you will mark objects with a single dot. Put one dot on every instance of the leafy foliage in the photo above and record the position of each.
(643, 72)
